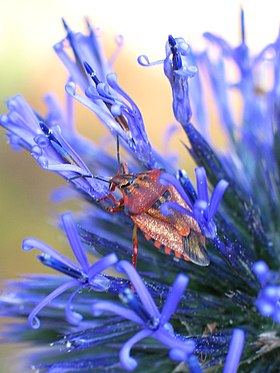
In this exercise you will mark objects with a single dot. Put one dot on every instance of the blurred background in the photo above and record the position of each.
(29, 66)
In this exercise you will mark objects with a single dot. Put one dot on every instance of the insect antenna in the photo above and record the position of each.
(89, 177)
(118, 152)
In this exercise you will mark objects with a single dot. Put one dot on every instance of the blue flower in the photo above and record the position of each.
(234, 293)
(85, 48)
(48, 147)
(201, 209)
(82, 274)
(268, 300)
(178, 72)
(146, 314)
(102, 93)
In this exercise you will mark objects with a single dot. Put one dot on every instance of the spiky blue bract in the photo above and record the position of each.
(161, 326)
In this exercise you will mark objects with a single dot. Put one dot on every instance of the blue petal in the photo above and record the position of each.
(175, 342)
(74, 240)
(31, 243)
(235, 351)
(167, 179)
(102, 264)
(216, 197)
(173, 298)
(99, 306)
(167, 207)
(32, 319)
(72, 317)
(178, 78)
(126, 360)
(261, 270)
(201, 184)
(140, 288)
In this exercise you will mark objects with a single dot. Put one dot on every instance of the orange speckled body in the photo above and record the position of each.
(176, 234)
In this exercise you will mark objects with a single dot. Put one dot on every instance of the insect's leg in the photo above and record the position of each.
(118, 151)
(114, 209)
(135, 245)
(79, 176)
(135, 251)
(118, 204)
(124, 168)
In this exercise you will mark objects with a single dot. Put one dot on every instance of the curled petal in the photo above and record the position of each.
(70, 88)
(73, 317)
(126, 360)
(42, 141)
(32, 243)
(100, 110)
(32, 318)
(143, 60)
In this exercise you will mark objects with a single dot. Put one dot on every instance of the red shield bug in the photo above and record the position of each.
(142, 196)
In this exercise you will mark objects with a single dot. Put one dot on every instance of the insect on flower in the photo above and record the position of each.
(142, 196)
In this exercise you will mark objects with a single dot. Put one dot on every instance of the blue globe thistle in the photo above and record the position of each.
(213, 306)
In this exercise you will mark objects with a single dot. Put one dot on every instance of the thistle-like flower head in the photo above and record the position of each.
(228, 316)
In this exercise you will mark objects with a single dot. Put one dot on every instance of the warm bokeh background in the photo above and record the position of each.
(28, 65)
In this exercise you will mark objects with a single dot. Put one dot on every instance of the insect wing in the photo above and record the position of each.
(194, 248)
(166, 238)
